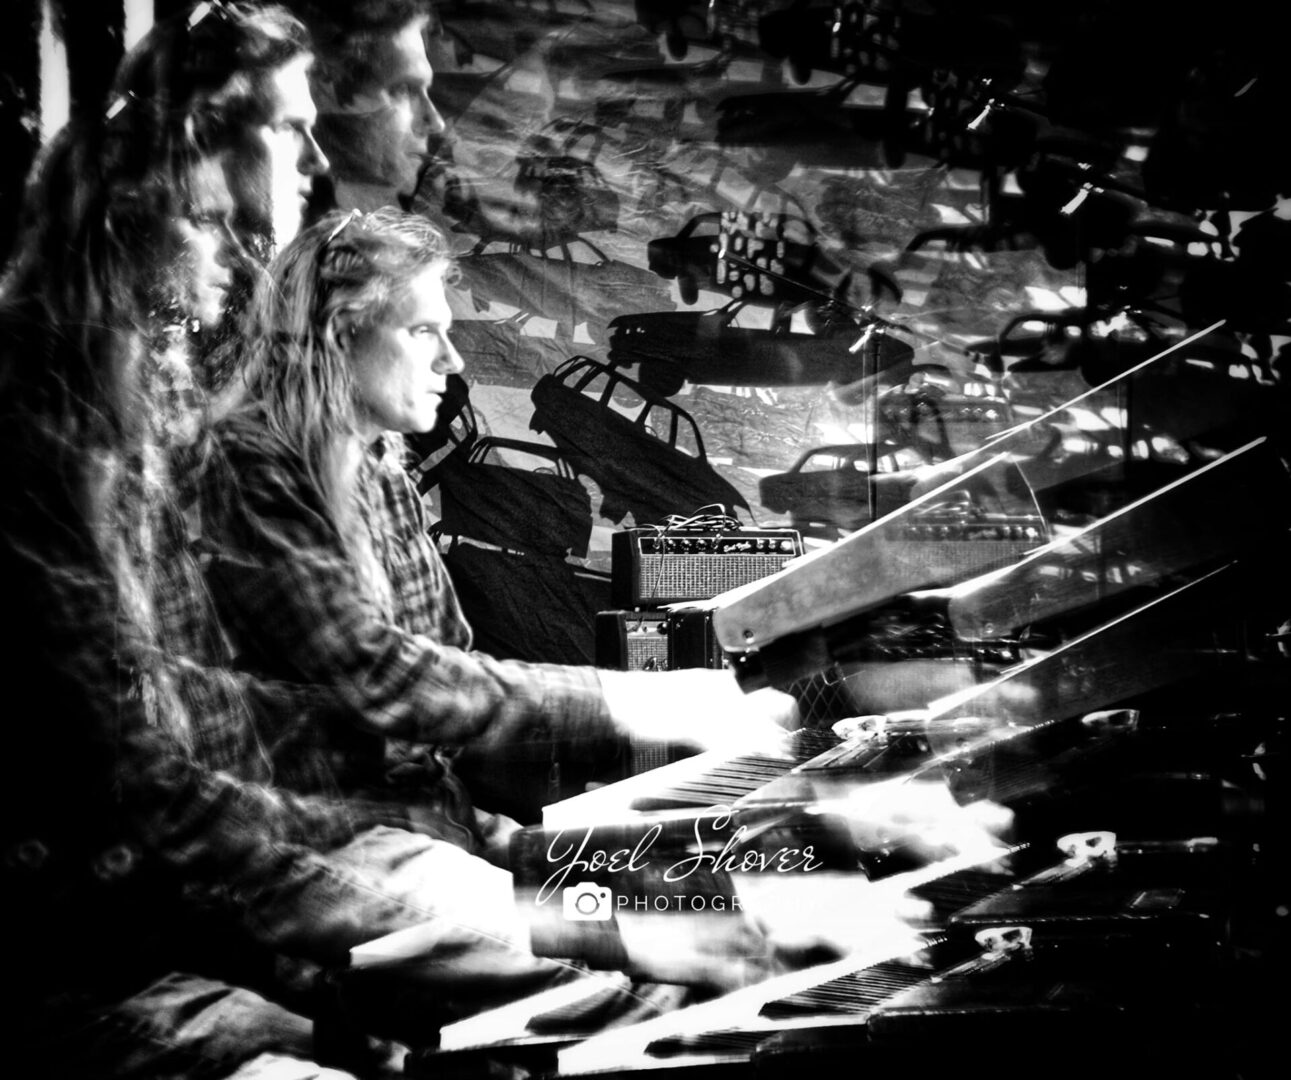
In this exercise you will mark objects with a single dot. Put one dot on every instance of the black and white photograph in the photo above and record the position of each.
(645, 539)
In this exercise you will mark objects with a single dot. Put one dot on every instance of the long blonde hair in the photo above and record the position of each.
(338, 276)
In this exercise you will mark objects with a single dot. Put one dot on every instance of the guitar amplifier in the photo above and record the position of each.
(684, 638)
(637, 641)
(657, 640)
(653, 567)
(632, 640)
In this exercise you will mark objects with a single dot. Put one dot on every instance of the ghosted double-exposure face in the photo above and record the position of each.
(202, 270)
(273, 160)
(379, 134)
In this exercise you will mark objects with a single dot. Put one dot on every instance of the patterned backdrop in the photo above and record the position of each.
(752, 254)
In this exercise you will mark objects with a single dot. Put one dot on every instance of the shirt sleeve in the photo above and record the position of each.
(298, 608)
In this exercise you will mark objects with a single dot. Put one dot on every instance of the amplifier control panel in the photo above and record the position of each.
(767, 542)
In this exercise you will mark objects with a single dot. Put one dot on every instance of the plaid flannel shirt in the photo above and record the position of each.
(101, 785)
(298, 610)
(240, 724)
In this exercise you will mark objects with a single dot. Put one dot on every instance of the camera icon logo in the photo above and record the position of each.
(587, 902)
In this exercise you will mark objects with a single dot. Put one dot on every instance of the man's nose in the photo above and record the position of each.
(449, 361)
(227, 249)
(313, 162)
(429, 122)
(219, 255)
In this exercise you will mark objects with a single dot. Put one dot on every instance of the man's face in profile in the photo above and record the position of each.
(379, 135)
(203, 238)
(274, 159)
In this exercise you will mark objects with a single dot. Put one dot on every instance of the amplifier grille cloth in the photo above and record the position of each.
(700, 577)
(647, 650)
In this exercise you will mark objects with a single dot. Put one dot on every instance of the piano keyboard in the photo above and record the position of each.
(712, 778)
(847, 992)
(952, 893)
(728, 781)
(851, 995)
(554, 1015)
(742, 1008)
(846, 1000)
(838, 986)
(739, 1009)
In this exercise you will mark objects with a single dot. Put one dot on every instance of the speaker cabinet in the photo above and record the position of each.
(632, 640)
(691, 641)
(651, 641)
